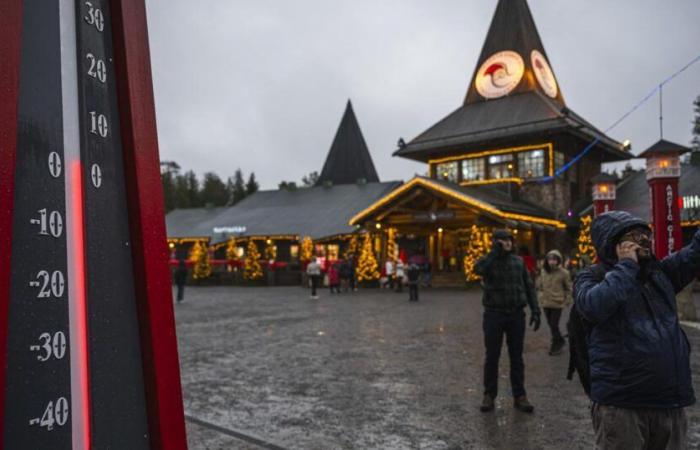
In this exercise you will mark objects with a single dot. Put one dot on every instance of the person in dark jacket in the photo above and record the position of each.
(507, 289)
(413, 274)
(639, 355)
(181, 279)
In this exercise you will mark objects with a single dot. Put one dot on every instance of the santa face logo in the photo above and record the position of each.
(544, 73)
(499, 74)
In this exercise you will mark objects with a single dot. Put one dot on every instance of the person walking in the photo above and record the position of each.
(181, 279)
(554, 293)
(313, 270)
(344, 275)
(399, 275)
(334, 277)
(639, 356)
(427, 273)
(389, 269)
(413, 275)
(507, 289)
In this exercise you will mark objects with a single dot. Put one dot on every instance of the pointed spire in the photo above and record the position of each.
(513, 59)
(349, 159)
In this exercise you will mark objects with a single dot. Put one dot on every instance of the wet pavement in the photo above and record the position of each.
(366, 370)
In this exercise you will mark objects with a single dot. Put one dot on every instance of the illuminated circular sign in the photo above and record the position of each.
(499, 74)
(543, 73)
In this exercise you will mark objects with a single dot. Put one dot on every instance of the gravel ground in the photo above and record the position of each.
(366, 370)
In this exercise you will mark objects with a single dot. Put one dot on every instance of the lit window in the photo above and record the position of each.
(448, 171)
(501, 166)
(531, 164)
(294, 252)
(473, 169)
(333, 252)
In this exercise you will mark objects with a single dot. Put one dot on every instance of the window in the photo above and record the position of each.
(294, 252)
(501, 166)
(448, 171)
(531, 164)
(473, 169)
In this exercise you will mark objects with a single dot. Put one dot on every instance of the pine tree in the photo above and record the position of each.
(231, 253)
(351, 248)
(200, 256)
(585, 244)
(310, 180)
(307, 250)
(251, 187)
(479, 243)
(367, 267)
(236, 187)
(191, 185)
(252, 269)
(270, 251)
(213, 190)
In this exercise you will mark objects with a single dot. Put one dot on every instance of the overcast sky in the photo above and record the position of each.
(262, 85)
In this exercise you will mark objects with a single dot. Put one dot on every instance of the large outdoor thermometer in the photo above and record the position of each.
(87, 336)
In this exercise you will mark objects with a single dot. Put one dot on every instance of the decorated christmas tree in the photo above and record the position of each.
(367, 267)
(252, 269)
(478, 244)
(351, 248)
(585, 244)
(200, 255)
(270, 251)
(307, 249)
(391, 248)
(231, 253)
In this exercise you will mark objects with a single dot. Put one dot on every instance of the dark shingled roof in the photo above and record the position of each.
(633, 192)
(664, 147)
(349, 159)
(526, 111)
(320, 211)
(187, 223)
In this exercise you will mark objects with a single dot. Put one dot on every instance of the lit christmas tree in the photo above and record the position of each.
(367, 267)
(351, 248)
(270, 250)
(307, 249)
(479, 243)
(585, 245)
(252, 269)
(200, 255)
(391, 244)
(231, 253)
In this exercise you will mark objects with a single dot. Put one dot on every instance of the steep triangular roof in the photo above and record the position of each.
(348, 159)
(513, 29)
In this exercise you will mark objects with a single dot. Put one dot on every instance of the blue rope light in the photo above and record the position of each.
(595, 141)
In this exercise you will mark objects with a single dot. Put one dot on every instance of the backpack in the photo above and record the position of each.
(579, 329)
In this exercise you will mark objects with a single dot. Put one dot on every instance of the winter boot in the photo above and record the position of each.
(487, 403)
(521, 404)
(557, 346)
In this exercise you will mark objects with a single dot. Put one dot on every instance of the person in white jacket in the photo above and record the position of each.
(389, 269)
(399, 275)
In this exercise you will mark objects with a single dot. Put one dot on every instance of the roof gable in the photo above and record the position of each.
(513, 30)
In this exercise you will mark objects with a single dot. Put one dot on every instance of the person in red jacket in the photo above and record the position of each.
(334, 277)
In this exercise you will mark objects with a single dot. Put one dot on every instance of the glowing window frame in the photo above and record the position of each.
(432, 163)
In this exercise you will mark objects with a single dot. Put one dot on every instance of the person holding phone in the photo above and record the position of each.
(640, 375)
(508, 288)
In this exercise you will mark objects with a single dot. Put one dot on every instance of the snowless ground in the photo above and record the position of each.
(366, 370)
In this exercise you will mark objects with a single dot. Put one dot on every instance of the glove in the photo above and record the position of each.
(535, 320)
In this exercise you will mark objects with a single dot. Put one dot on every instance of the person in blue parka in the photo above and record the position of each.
(639, 355)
